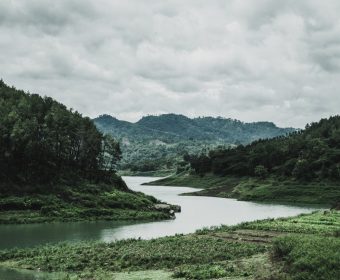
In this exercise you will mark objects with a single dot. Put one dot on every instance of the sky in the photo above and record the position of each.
(263, 60)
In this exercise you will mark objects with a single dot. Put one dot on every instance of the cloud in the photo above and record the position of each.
(264, 60)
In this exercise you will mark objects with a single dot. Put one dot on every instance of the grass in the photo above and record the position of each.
(162, 253)
(296, 248)
(156, 173)
(85, 202)
(319, 223)
(309, 257)
(195, 181)
(326, 193)
(15, 274)
(254, 189)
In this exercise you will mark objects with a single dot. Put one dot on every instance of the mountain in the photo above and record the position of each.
(159, 142)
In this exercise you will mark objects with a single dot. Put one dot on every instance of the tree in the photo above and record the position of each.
(111, 153)
(301, 169)
(42, 143)
(260, 171)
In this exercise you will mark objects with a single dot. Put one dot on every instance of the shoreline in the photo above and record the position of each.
(250, 189)
(241, 251)
(87, 202)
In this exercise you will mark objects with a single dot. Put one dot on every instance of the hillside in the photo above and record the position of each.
(301, 167)
(159, 142)
(55, 165)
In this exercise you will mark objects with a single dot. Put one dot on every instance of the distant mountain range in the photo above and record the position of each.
(172, 127)
(156, 142)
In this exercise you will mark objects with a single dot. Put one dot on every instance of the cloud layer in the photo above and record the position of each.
(250, 60)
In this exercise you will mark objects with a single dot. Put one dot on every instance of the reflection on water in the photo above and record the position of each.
(37, 234)
(197, 212)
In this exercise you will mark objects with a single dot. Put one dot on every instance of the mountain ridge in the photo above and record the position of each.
(177, 135)
(165, 123)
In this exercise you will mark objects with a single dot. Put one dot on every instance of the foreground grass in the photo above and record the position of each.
(303, 247)
(253, 189)
(15, 274)
(306, 257)
(85, 202)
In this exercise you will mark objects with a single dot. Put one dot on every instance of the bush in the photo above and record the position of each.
(309, 257)
(261, 171)
(50, 210)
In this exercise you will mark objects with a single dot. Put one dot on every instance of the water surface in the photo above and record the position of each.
(197, 212)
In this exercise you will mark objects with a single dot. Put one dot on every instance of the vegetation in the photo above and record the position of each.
(56, 165)
(208, 181)
(303, 247)
(325, 193)
(160, 142)
(43, 143)
(301, 168)
(313, 258)
(311, 154)
(85, 202)
(155, 173)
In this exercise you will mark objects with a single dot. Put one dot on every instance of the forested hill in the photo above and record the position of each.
(159, 142)
(303, 167)
(56, 166)
(42, 142)
(172, 127)
(313, 153)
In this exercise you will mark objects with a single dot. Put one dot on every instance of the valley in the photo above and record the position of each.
(238, 200)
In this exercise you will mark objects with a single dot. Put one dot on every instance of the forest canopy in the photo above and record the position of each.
(159, 142)
(310, 154)
(43, 142)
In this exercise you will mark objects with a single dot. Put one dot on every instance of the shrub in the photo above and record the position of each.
(261, 171)
(309, 257)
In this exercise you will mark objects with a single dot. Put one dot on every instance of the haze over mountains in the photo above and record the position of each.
(159, 141)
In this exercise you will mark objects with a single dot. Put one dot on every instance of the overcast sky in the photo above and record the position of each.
(250, 60)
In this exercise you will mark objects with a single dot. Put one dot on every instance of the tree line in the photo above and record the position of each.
(309, 154)
(43, 142)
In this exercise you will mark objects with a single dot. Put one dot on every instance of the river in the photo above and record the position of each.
(197, 212)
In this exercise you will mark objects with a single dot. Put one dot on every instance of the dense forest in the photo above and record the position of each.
(43, 142)
(56, 166)
(160, 142)
(309, 154)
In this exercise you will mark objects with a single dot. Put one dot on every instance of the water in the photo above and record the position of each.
(21, 274)
(197, 212)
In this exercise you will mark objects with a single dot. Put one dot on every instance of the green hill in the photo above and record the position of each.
(159, 142)
(56, 165)
(301, 167)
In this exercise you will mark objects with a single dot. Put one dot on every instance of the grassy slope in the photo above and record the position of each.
(303, 247)
(195, 181)
(270, 190)
(156, 173)
(84, 202)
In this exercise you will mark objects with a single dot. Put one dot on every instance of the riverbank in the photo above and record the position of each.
(155, 173)
(255, 189)
(85, 202)
(302, 247)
